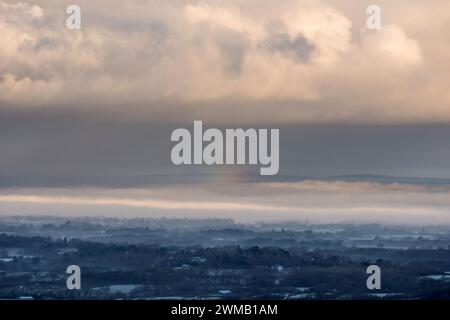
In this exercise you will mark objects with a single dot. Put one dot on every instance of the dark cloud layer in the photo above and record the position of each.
(69, 149)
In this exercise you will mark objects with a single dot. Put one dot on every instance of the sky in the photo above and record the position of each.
(87, 114)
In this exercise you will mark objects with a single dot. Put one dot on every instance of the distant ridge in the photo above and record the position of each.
(200, 178)
(364, 178)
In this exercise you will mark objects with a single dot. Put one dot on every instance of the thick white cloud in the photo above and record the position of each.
(295, 61)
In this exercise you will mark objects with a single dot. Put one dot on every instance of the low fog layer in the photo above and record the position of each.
(317, 201)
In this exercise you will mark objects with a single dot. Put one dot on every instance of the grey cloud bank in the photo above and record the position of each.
(71, 150)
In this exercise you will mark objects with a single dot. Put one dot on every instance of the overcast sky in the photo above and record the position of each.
(247, 61)
(95, 108)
